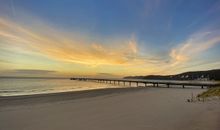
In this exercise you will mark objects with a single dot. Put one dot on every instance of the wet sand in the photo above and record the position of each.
(110, 109)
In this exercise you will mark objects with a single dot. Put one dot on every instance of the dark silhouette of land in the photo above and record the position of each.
(193, 75)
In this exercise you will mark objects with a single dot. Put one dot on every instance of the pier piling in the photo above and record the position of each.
(154, 83)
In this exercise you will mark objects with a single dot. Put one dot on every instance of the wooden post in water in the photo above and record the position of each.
(129, 83)
(137, 84)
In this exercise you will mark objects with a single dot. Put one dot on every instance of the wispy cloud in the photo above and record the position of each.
(28, 72)
(122, 55)
(13, 7)
(57, 46)
(133, 45)
(192, 47)
(71, 49)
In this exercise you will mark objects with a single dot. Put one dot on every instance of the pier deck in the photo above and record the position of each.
(154, 83)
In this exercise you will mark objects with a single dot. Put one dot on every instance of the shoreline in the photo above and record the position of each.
(63, 96)
(73, 95)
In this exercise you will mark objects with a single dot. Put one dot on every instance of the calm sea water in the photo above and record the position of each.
(13, 86)
(29, 86)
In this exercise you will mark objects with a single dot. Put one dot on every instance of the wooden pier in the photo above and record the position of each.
(154, 83)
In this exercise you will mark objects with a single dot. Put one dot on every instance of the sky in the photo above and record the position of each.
(115, 38)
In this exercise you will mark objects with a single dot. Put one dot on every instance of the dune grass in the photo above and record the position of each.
(212, 92)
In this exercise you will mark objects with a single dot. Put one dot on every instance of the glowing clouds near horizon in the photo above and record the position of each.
(72, 54)
(58, 47)
(76, 54)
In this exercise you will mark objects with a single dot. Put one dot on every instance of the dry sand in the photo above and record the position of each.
(110, 109)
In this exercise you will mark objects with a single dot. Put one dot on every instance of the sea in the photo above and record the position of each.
(30, 86)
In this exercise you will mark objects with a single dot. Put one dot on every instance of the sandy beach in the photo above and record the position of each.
(110, 109)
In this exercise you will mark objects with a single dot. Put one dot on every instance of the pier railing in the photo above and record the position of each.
(154, 83)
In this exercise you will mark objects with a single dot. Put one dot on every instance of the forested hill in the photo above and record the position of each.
(194, 75)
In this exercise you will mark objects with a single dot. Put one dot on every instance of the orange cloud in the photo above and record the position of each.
(57, 46)
(123, 56)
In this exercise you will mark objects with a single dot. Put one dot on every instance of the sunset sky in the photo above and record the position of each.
(113, 38)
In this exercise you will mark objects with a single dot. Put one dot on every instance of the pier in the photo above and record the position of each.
(153, 83)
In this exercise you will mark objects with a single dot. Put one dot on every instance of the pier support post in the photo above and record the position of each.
(145, 83)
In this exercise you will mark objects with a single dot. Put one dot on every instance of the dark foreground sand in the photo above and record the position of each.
(110, 109)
